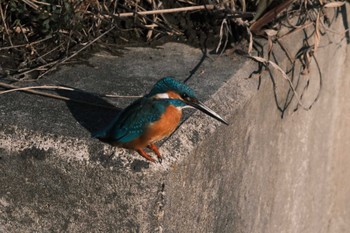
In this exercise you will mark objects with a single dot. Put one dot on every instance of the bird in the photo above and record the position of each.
(152, 117)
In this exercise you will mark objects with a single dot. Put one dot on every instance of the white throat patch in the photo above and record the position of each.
(161, 96)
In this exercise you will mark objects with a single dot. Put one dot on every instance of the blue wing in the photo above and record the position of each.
(133, 120)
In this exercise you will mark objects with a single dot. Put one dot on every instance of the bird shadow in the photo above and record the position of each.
(93, 113)
(89, 110)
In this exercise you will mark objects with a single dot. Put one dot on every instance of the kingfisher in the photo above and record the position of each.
(152, 117)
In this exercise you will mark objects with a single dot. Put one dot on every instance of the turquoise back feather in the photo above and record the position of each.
(133, 120)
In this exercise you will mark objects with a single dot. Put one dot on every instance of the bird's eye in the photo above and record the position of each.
(185, 96)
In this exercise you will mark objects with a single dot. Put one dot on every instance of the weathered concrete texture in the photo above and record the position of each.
(54, 177)
(268, 174)
(260, 174)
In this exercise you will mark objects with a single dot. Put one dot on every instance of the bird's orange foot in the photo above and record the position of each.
(154, 148)
(145, 155)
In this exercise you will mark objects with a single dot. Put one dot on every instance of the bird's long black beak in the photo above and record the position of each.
(200, 106)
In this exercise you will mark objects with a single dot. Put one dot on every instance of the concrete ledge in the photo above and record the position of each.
(54, 170)
(260, 174)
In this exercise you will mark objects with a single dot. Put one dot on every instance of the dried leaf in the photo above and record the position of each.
(317, 35)
(269, 16)
(149, 34)
(225, 31)
(270, 32)
(334, 4)
(307, 60)
(221, 35)
(250, 48)
(270, 45)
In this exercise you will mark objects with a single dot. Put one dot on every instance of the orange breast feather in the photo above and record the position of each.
(159, 129)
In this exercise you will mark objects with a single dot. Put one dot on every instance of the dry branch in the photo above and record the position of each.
(33, 87)
(32, 91)
(267, 64)
(166, 11)
(269, 16)
(77, 52)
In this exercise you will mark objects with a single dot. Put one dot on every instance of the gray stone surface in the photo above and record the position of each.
(263, 173)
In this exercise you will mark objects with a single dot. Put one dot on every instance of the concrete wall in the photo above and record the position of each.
(267, 174)
(263, 173)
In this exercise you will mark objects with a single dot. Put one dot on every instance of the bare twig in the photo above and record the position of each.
(47, 53)
(23, 72)
(12, 89)
(267, 63)
(30, 90)
(295, 30)
(77, 52)
(250, 47)
(225, 33)
(31, 4)
(5, 24)
(24, 45)
(34, 87)
(30, 45)
(121, 96)
(334, 4)
(166, 11)
(42, 3)
(317, 35)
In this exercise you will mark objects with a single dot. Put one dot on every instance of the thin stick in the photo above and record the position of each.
(42, 3)
(5, 25)
(295, 30)
(23, 45)
(35, 87)
(266, 63)
(9, 86)
(32, 5)
(166, 11)
(36, 68)
(77, 52)
(121, 96)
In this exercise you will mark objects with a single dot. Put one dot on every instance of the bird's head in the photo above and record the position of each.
(169, 88)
